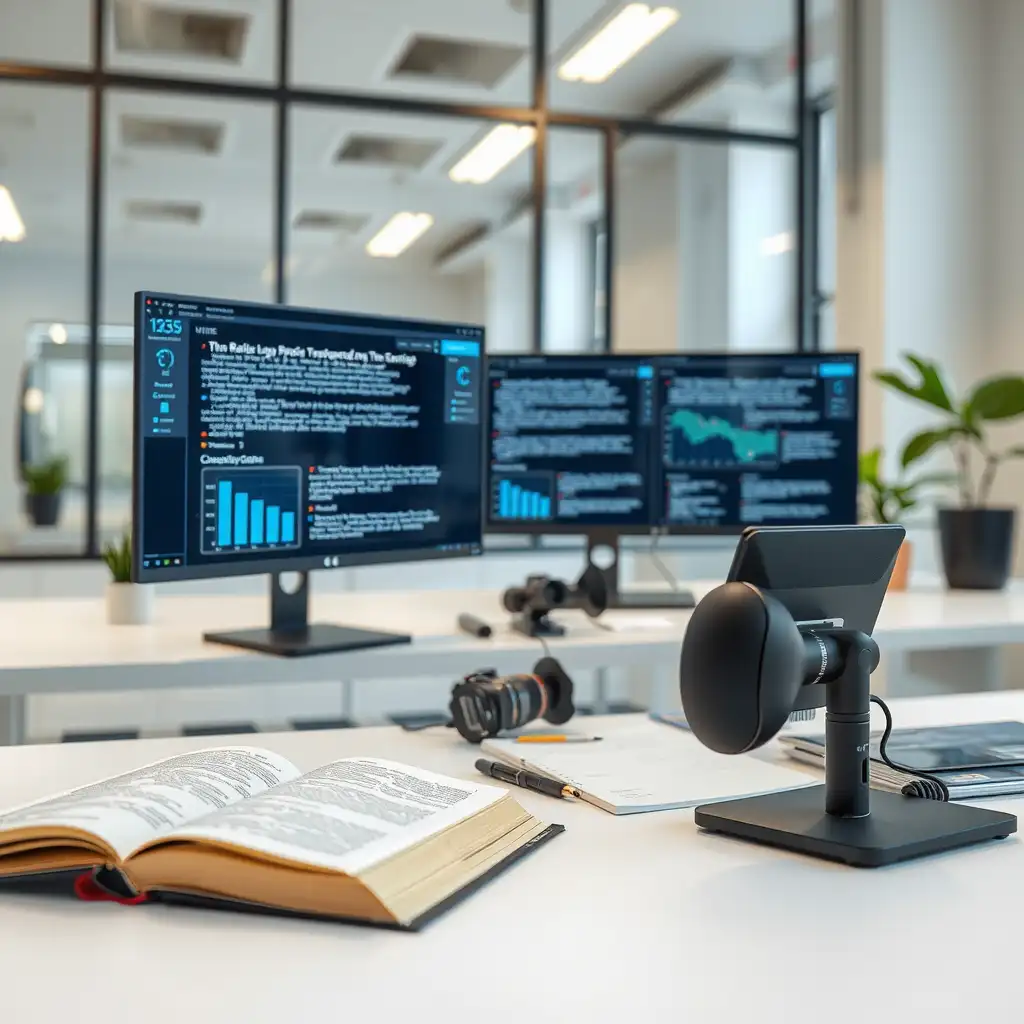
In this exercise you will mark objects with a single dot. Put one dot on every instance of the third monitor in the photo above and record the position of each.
(671, 443)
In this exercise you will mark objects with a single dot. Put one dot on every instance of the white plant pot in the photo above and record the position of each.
(129, 604)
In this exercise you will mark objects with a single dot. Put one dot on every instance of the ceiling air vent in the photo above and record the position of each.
(328, 220)
(158, 212)
(465, 62)
(387, 151)
(205, 137)
(141, 27)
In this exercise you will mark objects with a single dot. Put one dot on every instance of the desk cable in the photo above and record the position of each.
(924, 785)
(666, 573)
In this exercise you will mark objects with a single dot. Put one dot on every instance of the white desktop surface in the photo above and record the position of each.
(633, 919)
(56, 645)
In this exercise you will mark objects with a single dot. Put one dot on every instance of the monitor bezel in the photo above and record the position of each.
(495, 528)
(297, 563)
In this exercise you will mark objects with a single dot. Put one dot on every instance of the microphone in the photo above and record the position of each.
(743, 663)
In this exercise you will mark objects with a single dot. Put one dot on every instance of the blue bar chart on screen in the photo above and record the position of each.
(523, 497)
(251, 508)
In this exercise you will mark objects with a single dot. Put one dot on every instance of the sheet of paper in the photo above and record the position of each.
(131, 809)
(633, 623)
(647, 767)
(348, 815)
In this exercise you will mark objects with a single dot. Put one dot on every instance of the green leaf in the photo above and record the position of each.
(929, 480)
(868, 463)
(46, 477)
(932, 389)
(921, 444)
(928, 389)
(1000, 398)
(1016, 452)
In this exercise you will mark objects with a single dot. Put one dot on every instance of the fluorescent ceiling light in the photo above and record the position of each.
(495, 151)
(58, 334)
(12, 227)
(618, 41)
(398, 234)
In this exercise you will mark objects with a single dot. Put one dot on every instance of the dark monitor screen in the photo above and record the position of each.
(681, 443)
(271, 438)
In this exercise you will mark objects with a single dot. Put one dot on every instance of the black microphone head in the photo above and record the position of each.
(558, 685)
(514, 599)
(592, 591)
(556, 593)
(741, 668)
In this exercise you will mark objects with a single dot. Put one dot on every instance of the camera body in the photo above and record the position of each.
(484, 704)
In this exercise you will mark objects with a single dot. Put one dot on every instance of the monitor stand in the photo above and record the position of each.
(292, 635)
(634, 599)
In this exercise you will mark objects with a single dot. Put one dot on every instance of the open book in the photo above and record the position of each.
(360, 839)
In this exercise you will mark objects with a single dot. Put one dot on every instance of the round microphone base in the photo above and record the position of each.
(898, 827)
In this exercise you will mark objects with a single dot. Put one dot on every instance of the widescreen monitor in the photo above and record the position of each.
(672, 443)
(272, 438)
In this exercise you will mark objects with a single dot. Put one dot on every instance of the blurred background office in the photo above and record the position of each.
(754, 175)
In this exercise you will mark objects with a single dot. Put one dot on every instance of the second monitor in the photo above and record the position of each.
(607, 445)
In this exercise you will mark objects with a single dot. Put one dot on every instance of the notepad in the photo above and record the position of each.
(647, 767)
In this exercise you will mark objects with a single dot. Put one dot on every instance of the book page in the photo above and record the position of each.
(348, 815)
(129, 810)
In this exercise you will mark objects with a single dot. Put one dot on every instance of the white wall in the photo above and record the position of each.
(1003, 350)
(692, 269)
(913, 254)
(646, 300)
(704, 242)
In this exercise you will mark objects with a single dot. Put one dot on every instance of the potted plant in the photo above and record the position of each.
(890, 502)
(44, 486)
(128, 604)
(976, 538)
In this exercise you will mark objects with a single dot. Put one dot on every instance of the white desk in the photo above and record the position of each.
(639, 919)
(65, 646)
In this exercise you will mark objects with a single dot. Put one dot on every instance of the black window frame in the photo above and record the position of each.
(98, 79)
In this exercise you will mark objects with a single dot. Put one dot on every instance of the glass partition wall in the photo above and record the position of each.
(576, 175)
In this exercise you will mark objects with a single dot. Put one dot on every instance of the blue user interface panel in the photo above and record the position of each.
(687, 442)
(269, 437)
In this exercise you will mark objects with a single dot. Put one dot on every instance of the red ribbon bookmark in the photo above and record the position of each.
(88, 889)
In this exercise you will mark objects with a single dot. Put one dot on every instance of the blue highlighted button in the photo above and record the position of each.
(466, 349)
(836, 370)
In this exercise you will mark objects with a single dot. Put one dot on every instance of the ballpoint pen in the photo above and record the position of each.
(525, 779)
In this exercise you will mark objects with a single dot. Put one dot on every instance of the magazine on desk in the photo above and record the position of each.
(360, 839)
(974, 761)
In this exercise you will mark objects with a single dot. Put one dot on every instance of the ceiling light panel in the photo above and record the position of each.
(617, 42)
(12, 227)
(205, 137)
(460, 61)
(398, 234)
(387, 151)
(493, 153)
(159, 212)
(330, 220)
(152, 28)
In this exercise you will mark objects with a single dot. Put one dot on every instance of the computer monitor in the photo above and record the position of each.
(273, 438)
(605, 445)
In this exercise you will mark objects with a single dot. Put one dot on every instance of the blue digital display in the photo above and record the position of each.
(158, 325)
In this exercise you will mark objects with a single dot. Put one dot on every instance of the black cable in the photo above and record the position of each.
(544, 644)
(925, 785)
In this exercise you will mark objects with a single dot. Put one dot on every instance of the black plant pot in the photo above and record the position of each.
(977, 546)
(43, 509)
